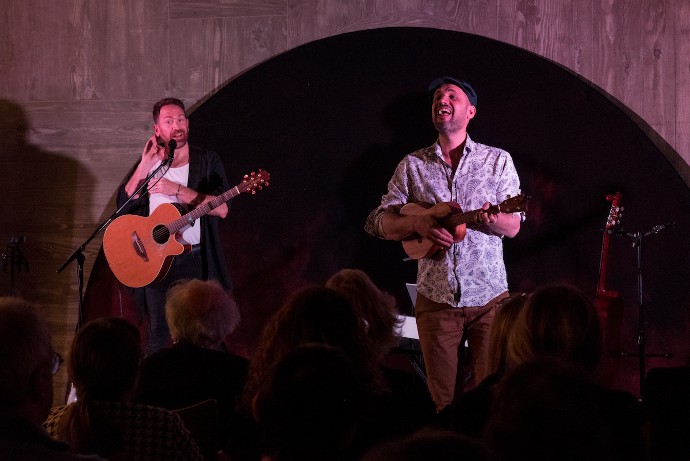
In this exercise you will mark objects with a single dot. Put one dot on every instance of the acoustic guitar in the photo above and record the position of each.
(608, 303)
(140, 250)
(452, 218)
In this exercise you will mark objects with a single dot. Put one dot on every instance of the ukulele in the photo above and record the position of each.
(140, 250)
(452, 218)
(608, 302)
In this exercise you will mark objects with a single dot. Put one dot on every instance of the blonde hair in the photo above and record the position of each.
(200, 312)
(504, 321)
(559, 322)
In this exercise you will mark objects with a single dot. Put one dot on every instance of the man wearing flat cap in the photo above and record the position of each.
(461, 275)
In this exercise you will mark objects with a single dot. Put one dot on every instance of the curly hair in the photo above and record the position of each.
(200, 312)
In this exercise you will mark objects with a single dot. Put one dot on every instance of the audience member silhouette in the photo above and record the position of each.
(558, 322)
(374, 307)
(27, 365)
(431, 444)
(322, 315)
(666, 397)
(309, 406)
(104, 366)
(409, 401)
(200, 315)
(312, 315)
(548, 409)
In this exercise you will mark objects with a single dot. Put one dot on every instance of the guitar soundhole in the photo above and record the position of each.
(161, 234)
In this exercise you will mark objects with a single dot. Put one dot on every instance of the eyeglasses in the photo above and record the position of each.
(57, 361)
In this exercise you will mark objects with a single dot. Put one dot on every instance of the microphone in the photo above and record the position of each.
(172, 145)
(660, 227)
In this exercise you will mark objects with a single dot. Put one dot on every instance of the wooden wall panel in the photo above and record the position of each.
(507, 20)
(252, 40)
(209, 51)
(226, 8)
(681, 97)
(476, 17)
(658, 66)
(580, 54)
(137, 48)
(195, 56)
(86, 58)
(618, 44)
(541, 25)
(37, 50)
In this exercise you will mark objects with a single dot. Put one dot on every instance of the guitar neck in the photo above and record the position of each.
(465, 217)
(601, 284)
(612, 220)
(185, 220)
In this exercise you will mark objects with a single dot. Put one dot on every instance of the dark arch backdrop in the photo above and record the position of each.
(330, 120)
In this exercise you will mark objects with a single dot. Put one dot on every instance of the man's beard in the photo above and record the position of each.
(449, 127)
(181, 141)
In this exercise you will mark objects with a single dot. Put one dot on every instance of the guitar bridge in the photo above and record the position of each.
(139, 247)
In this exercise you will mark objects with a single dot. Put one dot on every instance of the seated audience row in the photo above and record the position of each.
(317, 386)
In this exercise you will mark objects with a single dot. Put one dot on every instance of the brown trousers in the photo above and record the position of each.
(442, 331)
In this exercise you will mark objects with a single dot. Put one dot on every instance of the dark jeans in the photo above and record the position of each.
(185, 266)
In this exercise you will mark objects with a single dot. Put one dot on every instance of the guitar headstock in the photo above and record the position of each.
(254, 181)
(616, 212)
(515, 204)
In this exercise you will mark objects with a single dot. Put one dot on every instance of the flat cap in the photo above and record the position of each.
(463, 85)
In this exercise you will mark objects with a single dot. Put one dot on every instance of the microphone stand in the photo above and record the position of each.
(78, 254)
(641, 329)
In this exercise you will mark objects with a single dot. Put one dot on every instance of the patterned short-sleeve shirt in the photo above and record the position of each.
(471, 272)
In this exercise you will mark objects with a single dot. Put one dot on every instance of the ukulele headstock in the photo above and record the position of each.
(517, 204)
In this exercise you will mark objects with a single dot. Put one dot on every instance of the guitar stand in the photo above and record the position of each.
(641, 329)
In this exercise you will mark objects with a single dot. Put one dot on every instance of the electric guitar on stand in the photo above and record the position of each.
(608, 302)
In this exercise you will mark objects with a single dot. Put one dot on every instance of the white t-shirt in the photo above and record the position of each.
(190, 234)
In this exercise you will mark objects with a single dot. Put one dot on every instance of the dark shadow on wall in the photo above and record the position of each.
(39, 205)
(38, 195)
(330, 120)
